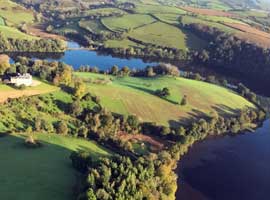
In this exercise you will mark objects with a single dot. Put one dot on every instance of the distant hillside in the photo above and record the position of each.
(221, 4)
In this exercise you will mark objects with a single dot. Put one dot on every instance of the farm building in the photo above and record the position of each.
(18, 79)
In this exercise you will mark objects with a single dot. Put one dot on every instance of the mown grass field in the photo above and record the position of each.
(162, 34)
(136, 96)
(131, 21)
(44, 173)
(10, 92)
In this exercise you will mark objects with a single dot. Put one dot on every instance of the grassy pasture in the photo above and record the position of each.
(152, 9)
(9, 92)
(166, 35)
(93, 26)
(125, 43)
(220, 19)
(11, 32)
(15, 14)
(127, 22)
(168, 18)
(103, 11)
(44, 173)
(130, 95)
(189, 20)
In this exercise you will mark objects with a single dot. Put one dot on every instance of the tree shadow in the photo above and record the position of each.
(193, 41)
(194, 115)
(32, 171)
(149, 91)
(62, 105)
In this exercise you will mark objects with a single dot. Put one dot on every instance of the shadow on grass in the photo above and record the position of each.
(149, 91)
(41, 173)
(195, 115)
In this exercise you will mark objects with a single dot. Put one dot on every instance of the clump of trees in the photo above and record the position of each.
(165, 92)
(231, 53)
(4, 63)
(160, 69)
(30, 141)
(40, 45)
(150, 51)
(122, 177)
(58, 73)
(212, 125)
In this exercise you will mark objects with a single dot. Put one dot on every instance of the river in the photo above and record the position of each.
(227, 168)
(223, 168)
(77, 57)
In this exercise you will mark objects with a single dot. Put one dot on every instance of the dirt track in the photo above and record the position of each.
(209, 12)
(156, 145)
(39, 32)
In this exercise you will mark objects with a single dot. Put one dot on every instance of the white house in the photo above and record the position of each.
(19, 79)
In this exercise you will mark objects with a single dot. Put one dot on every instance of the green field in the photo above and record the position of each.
(10, 92)
(15, 14)
(103, 11)
(219, 19)
(44, 173)
(135, 96)
(185, 20)
(152, 9)
(168, 18)
(166, 35)
(93, 26)
(127, 22)
(11, 32)
(125, 43)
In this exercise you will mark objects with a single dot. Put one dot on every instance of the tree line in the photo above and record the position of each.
(229, 52)
(38, 45)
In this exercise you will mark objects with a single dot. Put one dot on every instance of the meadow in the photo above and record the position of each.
(103, 11)
(168, 18)
(10, 92)
(186, 20)
(131, 95)
(93, 26)
(43, 173)
(163, 34)
(152, 9)
(15, 14)
(127, 22)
